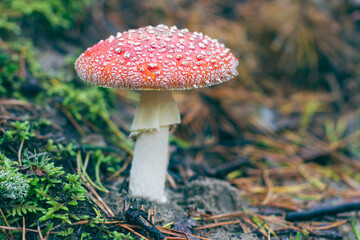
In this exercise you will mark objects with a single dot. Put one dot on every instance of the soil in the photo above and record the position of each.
(206, 195)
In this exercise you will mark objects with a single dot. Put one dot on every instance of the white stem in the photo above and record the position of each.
(155, 109)
(149, 165)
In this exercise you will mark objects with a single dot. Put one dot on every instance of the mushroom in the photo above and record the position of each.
(155, 60)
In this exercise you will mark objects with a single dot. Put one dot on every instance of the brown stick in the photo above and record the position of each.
(80, 222)
(226, 215)
(72, 119)
(217, 224)
(39, 231)
(169, 232)
(99, 200)
(23, 230)
(335, 224)
(171, 181)
(108, 210)
(86, 162)
(118, 172)
(3, 231)
(15, 102)
(269, 185)
(176, 238)
(200, 213)
(166, 231)
(87, 221)
(17, 229)
(244, 228)
(89, 194)
(21, 146)
(47, 234)
(132, 230)
(255, 226)
(7, 224)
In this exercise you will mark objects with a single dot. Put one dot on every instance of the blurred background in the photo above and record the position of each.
(294, 103)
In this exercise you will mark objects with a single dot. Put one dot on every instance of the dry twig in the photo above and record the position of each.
(21, 146)
(7, 224)
(320, 212)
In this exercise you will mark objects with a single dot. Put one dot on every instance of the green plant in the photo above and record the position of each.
(13, 185)
(8, 72)
(335, 131)
(309, 111)
(121, 236)
(51, 195)
(56, 13)
(355, 230)
(19, 20)
(37, 162)
(80, 103)
(73, 189)
(40, 190)
(301, 236)
(59, 151)
(21, 130)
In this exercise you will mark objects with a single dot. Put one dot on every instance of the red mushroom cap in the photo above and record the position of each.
(153, 58)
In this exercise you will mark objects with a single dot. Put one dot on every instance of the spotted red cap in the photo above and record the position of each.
(157, 58)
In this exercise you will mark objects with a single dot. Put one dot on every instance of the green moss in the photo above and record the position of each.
(86, 102)
(19, 20)
(120, 236)
(9, 66)
(58, 14)
(42, 191)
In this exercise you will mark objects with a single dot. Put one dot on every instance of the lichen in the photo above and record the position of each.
(13, 185)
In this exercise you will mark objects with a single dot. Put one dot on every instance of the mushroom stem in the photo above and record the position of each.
(155, 113)
(155, 109)
(149, 165)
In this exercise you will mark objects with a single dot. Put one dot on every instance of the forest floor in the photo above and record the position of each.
(278, 172)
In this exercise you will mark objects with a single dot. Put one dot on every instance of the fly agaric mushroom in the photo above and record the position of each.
(155, 60)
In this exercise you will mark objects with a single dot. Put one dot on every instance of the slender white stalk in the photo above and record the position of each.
(155, 113)
(149, 166)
